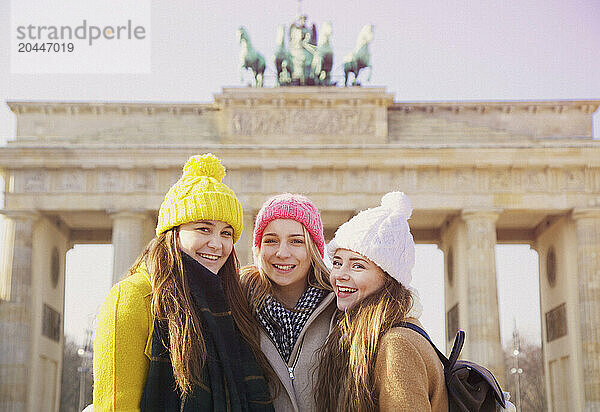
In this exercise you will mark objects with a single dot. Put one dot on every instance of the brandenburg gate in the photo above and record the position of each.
(478, 174)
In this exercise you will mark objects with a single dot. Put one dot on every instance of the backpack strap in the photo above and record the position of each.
(445, 361)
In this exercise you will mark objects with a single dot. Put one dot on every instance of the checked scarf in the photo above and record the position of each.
(232, 380)
(284, 325)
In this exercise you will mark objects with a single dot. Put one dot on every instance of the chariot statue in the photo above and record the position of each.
(308, 60)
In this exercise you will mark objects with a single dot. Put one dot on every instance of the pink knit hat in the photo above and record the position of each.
(295, 207)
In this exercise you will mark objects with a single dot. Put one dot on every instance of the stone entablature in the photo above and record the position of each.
(551, 178)
(320, 179)
(114, 123)
(289, 116)
(508, 120)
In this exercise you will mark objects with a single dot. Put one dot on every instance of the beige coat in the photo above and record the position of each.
(408, 373)
(296, 376)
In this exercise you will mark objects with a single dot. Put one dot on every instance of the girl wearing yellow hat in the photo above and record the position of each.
(176, 333)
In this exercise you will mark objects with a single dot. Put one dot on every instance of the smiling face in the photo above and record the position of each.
(209, 242)
(284, 256)
(354, 277)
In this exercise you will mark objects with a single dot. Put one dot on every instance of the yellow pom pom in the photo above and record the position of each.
(204, 165)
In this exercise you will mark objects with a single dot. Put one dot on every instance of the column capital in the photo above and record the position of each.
(585, 213)
(32, 215)
(489, 214)
(129, 214)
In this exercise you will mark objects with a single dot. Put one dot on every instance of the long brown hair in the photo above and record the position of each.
(172, 301)
(258, 286)
(347, 358)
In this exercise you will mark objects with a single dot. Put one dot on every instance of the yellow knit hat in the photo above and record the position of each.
(199, 194)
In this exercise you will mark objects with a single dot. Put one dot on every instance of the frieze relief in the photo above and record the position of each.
(353, 181)
(573, 180)
(462, 180)
(429, 179)
(386, 180)
(535, 180)
(109, 181)
(252, 181)
(32, 181)
(285, 178)
(144, 181)
(356, 122)
(71, 181)
(370, 180)
(500, 180)
(323, 180)
(594, 176)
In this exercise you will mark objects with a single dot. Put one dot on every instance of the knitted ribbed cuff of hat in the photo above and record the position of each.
(203, 206)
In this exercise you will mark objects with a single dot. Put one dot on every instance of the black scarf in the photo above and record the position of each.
(232, 380)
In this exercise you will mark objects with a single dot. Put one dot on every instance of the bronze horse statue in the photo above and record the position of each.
(359, 58)
(250, 59)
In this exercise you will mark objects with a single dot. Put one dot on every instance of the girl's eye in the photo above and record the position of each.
(203, 229)
(227, 233)
(358, 266)
(298, 241)
(269, 241)
(337, 263)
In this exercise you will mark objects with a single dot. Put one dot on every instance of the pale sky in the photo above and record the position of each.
(422, 51)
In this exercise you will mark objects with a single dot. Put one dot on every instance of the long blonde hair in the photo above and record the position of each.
(258, 286)
(347, 358)
(172, 302)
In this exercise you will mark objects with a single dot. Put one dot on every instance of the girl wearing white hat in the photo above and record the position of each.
(368, 362)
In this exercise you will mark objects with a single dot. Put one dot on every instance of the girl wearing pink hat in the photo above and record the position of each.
(290, 295)
(369, 363)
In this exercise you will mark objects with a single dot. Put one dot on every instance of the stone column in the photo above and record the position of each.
(16, 318)
(243, 247)
(483, 323)
(587, 226)
(128, 232)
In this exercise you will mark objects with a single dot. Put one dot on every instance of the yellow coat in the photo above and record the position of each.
(123, 344)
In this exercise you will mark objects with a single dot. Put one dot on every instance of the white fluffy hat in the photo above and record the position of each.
(382, 235)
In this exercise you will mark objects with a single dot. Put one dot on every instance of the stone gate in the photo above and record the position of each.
(478, 174)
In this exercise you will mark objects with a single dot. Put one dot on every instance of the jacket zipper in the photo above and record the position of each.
(291, 369)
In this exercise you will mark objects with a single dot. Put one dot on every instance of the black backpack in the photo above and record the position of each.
(471, 387)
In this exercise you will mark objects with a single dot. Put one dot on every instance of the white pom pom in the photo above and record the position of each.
(398, 202)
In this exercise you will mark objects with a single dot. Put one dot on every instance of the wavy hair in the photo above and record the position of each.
(172, 302)
(347, 358)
